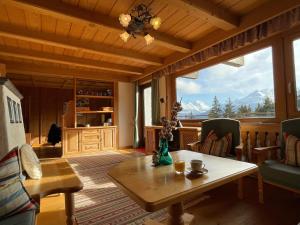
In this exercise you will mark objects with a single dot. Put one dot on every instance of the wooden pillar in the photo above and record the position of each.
(2, 70)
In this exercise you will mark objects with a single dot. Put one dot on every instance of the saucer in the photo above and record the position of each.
(202, 171)
(192, 174)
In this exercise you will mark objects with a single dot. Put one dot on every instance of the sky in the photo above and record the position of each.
(228, 81)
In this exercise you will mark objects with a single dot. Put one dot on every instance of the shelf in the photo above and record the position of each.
(89, 112)
(93, 96)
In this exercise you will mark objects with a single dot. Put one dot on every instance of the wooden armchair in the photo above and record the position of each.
(275, 171)
(222, 127)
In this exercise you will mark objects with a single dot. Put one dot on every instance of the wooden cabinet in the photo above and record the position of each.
(72, 142)
(108, 138)
(88, 140)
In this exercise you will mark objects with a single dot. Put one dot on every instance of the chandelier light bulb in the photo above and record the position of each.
(125, 36)
(124, 19)
(149, 39)
(155, 22)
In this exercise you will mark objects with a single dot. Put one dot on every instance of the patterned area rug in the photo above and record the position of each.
(101, 202)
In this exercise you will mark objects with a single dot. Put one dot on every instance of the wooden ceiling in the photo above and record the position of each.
(67, 38)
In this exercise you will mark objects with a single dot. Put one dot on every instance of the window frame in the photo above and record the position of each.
(278, 76)
(291, 88)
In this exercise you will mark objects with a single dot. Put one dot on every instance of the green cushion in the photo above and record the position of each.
(281, 174)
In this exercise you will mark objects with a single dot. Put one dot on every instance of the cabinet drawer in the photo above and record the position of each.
(89, 147)
(90, 131)
(90, 137)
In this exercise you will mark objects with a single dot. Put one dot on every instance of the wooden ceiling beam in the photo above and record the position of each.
(51, 71)
(20, 33)
(67, 60)
(67, 12)
(265, 12)
(209, 11)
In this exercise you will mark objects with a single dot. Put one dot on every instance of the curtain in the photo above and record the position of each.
(136, 138)
(264, 30)
(155, 101)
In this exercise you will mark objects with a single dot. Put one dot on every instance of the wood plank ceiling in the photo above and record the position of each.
(67, 38)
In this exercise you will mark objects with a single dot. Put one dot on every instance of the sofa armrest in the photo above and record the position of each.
(262, 151)
(239, 151)
(193, 146)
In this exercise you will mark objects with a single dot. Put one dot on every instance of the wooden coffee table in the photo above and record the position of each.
(154, 188)
(58, 177)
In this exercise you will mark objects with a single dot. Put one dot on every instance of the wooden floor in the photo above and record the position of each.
(222, 208)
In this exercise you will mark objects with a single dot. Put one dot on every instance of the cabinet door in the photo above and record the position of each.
(72, 142)
(108, 138)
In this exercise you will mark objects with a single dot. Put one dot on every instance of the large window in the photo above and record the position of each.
(239, 88)
(296, 48)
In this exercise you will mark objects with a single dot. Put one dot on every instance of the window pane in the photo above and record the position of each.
(147, 107)
(296, 45)
(239, 88)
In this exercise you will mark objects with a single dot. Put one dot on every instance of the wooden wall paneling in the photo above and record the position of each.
(48, 111)
(41, 108)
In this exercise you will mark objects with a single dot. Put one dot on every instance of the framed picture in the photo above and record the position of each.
(19, 113)
(10, 110)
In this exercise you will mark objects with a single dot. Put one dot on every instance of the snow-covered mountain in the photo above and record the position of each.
(254, 98)
(196, 107)
(200, 108)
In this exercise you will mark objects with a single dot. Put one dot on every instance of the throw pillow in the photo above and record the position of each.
(292, 150)
(205, 146)
(14, 199)
(222, 146)
(9, 167)
(30, 162)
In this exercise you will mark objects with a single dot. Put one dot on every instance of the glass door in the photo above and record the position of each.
(147, 106)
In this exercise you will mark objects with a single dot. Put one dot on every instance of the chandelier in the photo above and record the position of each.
(139, 21)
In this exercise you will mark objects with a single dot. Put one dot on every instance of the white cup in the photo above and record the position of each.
(197, 164)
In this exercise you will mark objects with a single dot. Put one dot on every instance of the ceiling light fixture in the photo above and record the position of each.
(139, 21)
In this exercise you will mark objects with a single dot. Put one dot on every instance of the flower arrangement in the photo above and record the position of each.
(162, 155)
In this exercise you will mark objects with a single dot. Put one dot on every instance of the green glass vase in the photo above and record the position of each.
(164, 156)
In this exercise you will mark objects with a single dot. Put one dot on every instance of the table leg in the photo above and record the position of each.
(69, 204)
(176, 213)
(240, 188)
(176, 216)
(260, 188)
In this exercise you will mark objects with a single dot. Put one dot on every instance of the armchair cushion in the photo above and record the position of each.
(281, 174)
(222, 146)
(14, 199)
(292, 150)
(9, 167)
(206, 145)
